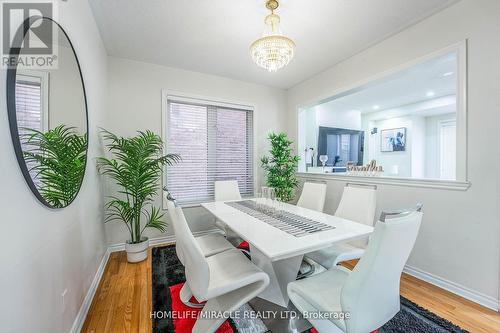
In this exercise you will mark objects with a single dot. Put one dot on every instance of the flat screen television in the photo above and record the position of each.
(341, 145)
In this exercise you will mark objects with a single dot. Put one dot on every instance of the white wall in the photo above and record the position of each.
(43, 251)
(396, 163)
(65, 92)
(330, 117)
(407, 163)
(459, 237)
(421, 157)
(135, 104)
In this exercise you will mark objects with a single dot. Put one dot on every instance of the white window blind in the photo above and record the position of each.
(29, 105)
(29, 111)
(215, 143)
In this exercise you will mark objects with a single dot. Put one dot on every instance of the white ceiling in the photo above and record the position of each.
(213, 36)
(430, 80)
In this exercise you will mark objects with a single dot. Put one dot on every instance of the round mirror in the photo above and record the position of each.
(47, 111)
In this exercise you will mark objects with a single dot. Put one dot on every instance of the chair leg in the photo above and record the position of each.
(225, 304)
(298, 324)
(309, 272)
(185, 296)
(233, 239)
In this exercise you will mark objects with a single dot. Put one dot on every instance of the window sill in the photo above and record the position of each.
(386, 180)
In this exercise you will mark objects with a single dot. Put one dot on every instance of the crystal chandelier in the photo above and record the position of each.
(273, 51)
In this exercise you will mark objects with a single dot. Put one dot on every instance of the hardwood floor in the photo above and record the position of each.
(464, 313)
(122, 302)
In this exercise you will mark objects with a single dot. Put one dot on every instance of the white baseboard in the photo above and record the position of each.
(87, 301)
(455, 288)
(161, 240)
(152, 242)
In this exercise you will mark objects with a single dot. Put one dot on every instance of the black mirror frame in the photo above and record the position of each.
(11, 108)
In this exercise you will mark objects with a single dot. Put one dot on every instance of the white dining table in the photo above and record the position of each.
(279, 253)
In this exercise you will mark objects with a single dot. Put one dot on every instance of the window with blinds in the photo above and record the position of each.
(29, 111)
(215, 143)
(29, 104)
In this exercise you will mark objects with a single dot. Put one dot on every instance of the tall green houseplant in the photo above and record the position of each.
(57, 160)
(281, 166)
(136, 168)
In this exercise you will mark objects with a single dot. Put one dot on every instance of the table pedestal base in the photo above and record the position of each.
(281, 273)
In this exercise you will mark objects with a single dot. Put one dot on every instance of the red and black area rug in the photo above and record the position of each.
(170, 315)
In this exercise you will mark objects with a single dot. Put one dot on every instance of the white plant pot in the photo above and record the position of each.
(137, 252)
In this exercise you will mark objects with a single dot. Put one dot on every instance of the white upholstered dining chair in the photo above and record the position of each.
(369, 293)
(313, 196)
(226, 280)
(358, 204)
(226, 190)
(210, 245)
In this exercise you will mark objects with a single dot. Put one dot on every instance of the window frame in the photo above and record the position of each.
(167, 95)
(461, 182)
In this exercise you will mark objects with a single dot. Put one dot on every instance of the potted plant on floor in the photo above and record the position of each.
(136, 168)
(281, 166)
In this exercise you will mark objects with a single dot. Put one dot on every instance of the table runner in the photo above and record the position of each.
(290, 223)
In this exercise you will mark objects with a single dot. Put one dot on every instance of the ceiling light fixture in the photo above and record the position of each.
(273, 51)
(376, 107)
(448, 74)
(430, 93)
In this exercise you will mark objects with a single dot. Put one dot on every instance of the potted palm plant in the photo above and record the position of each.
(281, 166)
(136, 168)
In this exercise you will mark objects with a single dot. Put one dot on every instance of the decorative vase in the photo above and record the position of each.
(137, 252)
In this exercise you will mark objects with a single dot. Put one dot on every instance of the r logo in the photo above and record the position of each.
(38, 34)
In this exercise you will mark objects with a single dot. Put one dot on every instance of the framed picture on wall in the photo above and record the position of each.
(393, 139)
